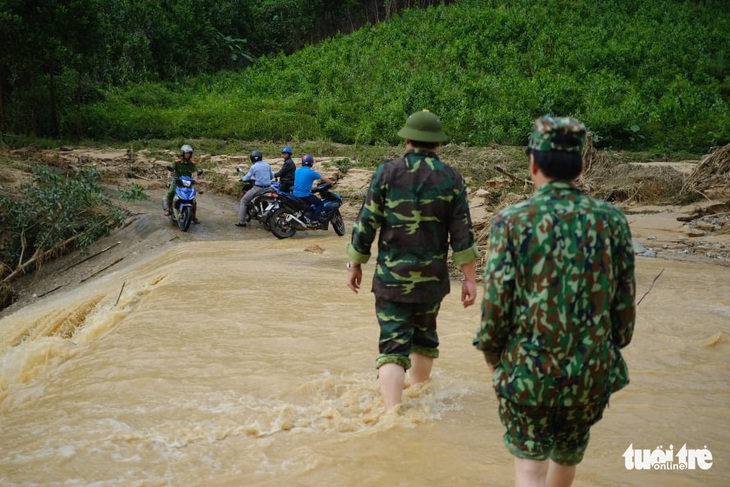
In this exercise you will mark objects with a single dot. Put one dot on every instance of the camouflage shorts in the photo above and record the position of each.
(538, 433)
(406, 328)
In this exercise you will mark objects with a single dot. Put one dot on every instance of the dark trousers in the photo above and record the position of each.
(313, 200)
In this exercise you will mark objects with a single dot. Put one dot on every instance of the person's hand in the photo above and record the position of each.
(468, 293)
(354, 278)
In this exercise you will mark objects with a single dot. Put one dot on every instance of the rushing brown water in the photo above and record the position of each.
(250, 363)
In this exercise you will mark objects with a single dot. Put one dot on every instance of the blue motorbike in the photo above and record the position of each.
(183, 202)
(296, 214)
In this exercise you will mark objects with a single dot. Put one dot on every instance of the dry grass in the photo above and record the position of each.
(711, 177)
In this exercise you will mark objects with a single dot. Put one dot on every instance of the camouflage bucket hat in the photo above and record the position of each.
(423, 126)
(546, 132)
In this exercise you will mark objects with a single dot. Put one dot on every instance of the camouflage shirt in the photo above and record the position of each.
(559, 299)
(420, 206)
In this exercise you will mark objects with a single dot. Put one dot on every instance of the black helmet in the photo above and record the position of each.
(186, 148)
(256, 156)
(307, 160)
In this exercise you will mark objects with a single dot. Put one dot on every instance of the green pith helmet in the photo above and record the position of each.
(423, 126)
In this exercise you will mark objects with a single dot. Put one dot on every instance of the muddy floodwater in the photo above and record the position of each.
(250, 363)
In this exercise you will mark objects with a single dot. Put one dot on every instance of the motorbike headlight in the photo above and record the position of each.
(187, 183)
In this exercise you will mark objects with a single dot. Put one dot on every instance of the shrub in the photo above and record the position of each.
(53, 214)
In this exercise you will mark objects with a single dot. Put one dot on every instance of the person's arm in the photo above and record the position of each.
(323, 179)
(354, 276)
(248, 175)
(463, 245)
(174, 171)
(364, 229)
(469, 286)
(499, 287)
(286, 168)
(623, 309)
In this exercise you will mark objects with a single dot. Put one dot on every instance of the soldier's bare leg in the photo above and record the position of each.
(530, 473)
(391, 378)
(420, 368)
(544, 473)
(560, 475)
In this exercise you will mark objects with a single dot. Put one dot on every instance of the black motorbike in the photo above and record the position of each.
(296, 214)
(262, 206)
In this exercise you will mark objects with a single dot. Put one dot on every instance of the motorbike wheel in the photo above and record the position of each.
(267, 223)
(280, 227)
(251, 214)
(338, 224)
(267, 216)
(186, 216)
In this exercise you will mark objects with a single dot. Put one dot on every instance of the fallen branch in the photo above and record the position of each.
(652, 285)
(139, 176)
(120, 293)
(38, 257)
(102, 269)
(512, 176)
(49, 292)
(91, 256)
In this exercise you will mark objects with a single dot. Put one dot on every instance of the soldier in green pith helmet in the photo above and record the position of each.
(559, 305)
(420, 206)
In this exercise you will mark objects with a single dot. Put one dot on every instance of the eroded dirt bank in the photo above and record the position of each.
(698, 232)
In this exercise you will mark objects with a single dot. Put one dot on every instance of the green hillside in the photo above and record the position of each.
(640, 74)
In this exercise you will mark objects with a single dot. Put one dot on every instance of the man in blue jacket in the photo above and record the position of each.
(303, 179)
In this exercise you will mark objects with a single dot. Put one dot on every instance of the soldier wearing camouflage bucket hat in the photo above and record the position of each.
(419, 204)
(558, 307)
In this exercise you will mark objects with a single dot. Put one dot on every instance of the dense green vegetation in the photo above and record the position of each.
(58, 56)
(54, 213)
(649, 73)
(643, 75)
(639, 73)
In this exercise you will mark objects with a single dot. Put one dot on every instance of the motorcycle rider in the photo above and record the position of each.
(262, 175)
(286, 173)
(303, 179)
(183, 166)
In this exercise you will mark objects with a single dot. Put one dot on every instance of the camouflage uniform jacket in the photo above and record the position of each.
(420, 206)
(559, 299)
